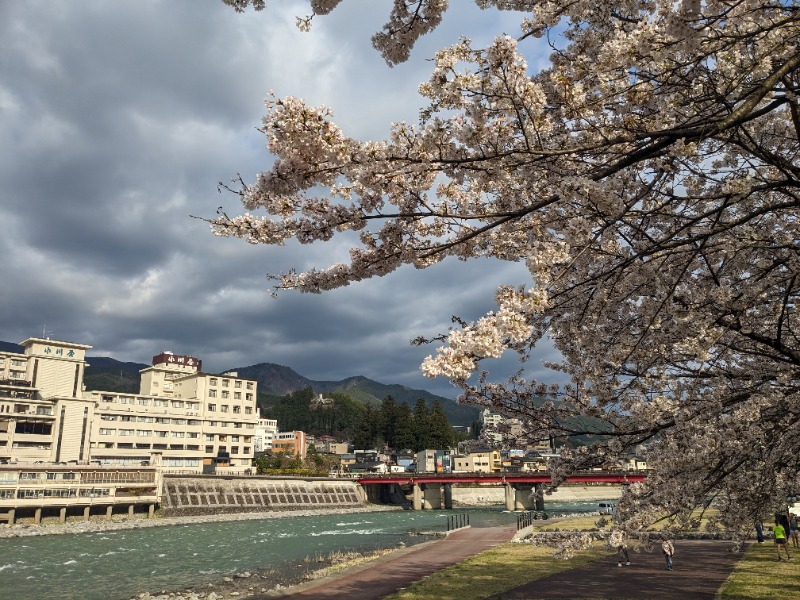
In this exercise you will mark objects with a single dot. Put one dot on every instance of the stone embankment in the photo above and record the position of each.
(214, 495)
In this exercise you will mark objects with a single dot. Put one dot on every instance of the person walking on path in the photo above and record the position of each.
(668, 549)
(622, 555)
(794, 530)
(759, 531)
(780, 539)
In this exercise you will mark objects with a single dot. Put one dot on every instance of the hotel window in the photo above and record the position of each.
(192, 434)
(249, 385)
(248, 410)
(17, 363)
(160, 433)
(160, 403)
(177, 404)
(212, 393)
(125, 432)
(144, 419)
(125, 400)
(178, 434)
(105, 431)
(225, 382)
(237, 395)
(209, 437)
(237, 410)
(234, 438)
(248, 397)
(212, 381)
(223, 408)
(225, 394)
(210, 449)
(234, 449)
(212, 407)
(108, 417)
(247, 449)
(143, 433)
(144, 402)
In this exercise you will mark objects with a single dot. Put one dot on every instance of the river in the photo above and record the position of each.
(121, 564)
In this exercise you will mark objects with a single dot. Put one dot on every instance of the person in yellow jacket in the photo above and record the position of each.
(780, 539)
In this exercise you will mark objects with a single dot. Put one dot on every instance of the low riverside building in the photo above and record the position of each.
(182, 415)
(38, 490)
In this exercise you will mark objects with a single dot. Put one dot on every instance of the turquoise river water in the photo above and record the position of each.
(116, 565)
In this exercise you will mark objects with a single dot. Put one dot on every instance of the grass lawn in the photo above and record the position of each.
(501, 568)
(760, 575)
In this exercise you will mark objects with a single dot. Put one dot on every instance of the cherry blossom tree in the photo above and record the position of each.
(648, 178)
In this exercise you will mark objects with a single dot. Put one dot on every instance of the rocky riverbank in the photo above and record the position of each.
(57, 528)
(271, 583)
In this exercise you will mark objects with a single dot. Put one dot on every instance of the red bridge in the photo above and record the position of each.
(435, 490)
(619, 477)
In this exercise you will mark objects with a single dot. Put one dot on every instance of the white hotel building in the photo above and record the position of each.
(181, 418)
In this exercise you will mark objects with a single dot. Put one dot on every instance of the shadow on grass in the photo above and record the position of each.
(760, 575)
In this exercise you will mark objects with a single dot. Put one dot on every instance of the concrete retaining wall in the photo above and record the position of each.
(483, 496)
(205, 495)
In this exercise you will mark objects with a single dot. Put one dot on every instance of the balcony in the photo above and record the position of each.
(16, 382)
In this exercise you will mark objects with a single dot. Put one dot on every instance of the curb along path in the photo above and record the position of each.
(383, 577)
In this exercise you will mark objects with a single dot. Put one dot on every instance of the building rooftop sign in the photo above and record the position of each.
(168, 358)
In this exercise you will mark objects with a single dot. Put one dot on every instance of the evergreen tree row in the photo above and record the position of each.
(398, 426)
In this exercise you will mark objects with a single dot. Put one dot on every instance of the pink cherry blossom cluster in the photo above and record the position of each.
(649, 180)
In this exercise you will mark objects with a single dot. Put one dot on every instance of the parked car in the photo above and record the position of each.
(607, 508)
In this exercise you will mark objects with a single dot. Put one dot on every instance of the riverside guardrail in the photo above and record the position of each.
(527, 518)
(457, 521)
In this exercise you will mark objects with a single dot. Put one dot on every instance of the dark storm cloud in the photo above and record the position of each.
(117, 121)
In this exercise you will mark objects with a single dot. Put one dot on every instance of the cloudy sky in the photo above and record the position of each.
(118, 120)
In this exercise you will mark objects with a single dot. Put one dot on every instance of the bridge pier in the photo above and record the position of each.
(539, 500)
(509, 489)
(522, 496)
(433, 496)
(448, 496)
(417, 497)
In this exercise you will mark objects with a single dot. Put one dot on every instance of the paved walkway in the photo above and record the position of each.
(394, 572)
(700, 569)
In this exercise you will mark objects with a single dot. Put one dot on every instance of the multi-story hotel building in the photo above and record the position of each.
(182, 418)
